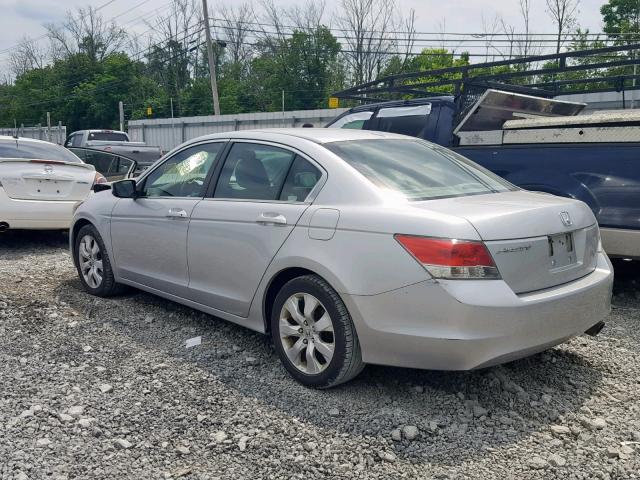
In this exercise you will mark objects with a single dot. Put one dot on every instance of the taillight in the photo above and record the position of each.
(451, 258)
(99, 178)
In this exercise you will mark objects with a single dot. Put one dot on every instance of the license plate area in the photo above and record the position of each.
(562, 250)
(47, 187)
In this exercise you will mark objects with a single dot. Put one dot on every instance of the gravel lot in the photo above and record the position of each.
(94, 388)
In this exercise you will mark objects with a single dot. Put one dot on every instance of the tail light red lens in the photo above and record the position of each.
(451, 258)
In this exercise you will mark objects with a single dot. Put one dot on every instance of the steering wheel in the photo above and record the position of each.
(190, 186)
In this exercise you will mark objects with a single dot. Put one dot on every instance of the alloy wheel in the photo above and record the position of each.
(90, 258)
(306, 333)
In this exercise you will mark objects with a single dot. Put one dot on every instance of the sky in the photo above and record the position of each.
(26, 18)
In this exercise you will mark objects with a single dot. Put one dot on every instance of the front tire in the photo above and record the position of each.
(93, 264)
(314, 335)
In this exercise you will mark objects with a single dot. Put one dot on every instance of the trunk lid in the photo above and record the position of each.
(536, 240)
(45, 180)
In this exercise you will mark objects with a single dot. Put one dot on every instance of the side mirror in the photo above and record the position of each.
(124, 189)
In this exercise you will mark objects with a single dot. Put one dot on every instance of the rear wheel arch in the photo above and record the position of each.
(275, 285)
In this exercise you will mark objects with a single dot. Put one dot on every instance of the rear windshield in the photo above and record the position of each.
(417, 170)
(19, 148)
(108, 136)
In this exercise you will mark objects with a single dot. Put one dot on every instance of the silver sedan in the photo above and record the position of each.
(351, 247)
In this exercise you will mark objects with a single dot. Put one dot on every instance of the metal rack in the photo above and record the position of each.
(524, 75)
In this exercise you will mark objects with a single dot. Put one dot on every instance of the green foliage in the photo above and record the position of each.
(83, 91)
(621, 17)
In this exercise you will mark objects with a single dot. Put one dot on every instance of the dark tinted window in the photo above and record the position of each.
(108, 136)
(404, 120)
(21, 148)
(183, 174)
(301, 179)
(254, 172)
(416, 170)
(108, 164)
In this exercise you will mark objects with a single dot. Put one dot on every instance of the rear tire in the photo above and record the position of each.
(314, 335)
(93, 264)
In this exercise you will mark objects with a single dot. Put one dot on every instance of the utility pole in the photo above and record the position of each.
(121, 112)
(210, 57)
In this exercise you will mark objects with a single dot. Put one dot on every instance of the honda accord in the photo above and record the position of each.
(350, 247)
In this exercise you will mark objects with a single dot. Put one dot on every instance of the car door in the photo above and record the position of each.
(149, 233)
(261, 192)
(113, 167)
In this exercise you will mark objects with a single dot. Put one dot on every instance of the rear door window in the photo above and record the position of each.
(254, 172)
(302, 177)
(108, 136)
(410, 120)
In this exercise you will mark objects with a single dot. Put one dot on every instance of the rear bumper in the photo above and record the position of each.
(618, 242)
(462, 325)
(35, 214)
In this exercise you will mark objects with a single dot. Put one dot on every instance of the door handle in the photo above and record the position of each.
(177, 213)
(271, 218)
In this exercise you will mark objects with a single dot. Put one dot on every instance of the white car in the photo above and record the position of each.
(40, 184)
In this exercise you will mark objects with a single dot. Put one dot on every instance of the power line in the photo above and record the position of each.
(405, 32)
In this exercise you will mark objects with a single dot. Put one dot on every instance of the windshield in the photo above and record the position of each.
(417, 170)
(20, 148)
(108, 136)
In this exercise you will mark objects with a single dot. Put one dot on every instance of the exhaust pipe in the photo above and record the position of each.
(595, 330)
(4, 226)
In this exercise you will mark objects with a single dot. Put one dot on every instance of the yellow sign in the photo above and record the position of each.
(334, 102)
(149, 111)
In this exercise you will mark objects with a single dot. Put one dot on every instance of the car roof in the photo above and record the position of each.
(401, 103)
(99, 130)
(316, 135)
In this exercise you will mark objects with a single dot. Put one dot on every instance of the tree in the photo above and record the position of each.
(173, 53)
(369, 42)
(621, 18)
(85, 32)
(564, 15)
(303, 67)
(27, 56)
(234, 28)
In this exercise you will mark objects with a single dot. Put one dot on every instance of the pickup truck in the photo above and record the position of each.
(536, 143)
(115, 142)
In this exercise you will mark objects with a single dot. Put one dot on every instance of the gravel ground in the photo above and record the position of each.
(94, 388)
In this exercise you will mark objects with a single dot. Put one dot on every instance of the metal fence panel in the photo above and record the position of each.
(56, 134)
(167, 133)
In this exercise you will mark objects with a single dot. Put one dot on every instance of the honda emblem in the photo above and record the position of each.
(566, 219)
(48, 169)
